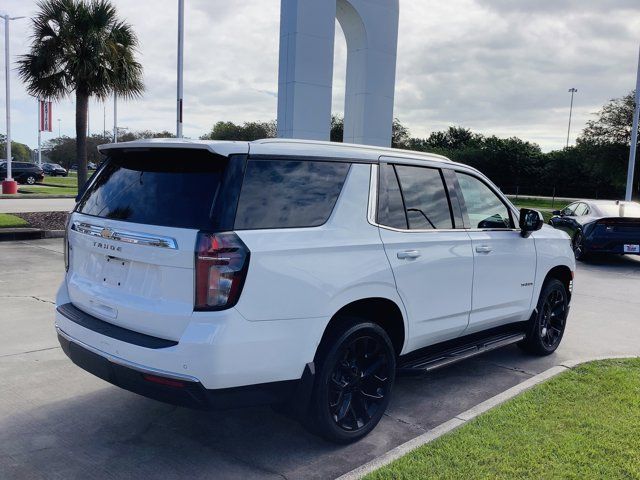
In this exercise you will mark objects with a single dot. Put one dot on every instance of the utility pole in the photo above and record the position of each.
(634, 139)
(180, 63)
(9, 185)
(572, 91)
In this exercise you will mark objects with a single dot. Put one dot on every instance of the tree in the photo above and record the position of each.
(613, 124)
(19, 151)
(248, 131)
(61, 150)
(81, 47)
(399, 135)
(336, 133)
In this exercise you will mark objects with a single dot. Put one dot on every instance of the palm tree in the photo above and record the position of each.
(81, 47)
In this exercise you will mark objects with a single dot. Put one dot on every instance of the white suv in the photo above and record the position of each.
(299, 273)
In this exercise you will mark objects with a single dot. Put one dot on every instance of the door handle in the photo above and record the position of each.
(484, 249)
(407, 254)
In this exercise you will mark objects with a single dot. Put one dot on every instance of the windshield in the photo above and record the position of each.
(625, 209)
(173, 188)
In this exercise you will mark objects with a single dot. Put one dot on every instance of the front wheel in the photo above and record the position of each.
(31, 180)
(356, 371)
(547, 325)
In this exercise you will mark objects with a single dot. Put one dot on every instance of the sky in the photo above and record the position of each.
(498, 67)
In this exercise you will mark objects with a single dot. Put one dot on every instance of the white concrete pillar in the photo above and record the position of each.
(307, 29)
(307, 33)
(371, 31)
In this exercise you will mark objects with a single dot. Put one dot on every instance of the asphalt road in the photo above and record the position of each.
(23, 205)
(57, 421)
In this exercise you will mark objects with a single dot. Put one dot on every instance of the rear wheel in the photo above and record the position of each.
(578, 246)
(356, 369)
(547, 325)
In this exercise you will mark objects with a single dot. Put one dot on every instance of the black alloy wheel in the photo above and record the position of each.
(578, 245)
(356, 371)
(359, 383)
(553, 318)
(547, 325)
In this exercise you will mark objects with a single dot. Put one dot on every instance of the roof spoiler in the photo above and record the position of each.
(223, 148)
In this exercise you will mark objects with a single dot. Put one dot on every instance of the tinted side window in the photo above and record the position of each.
(484, 208)
(289, 193)
(390, 205)
(424, 197)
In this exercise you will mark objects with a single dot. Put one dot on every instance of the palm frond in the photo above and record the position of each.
(81, 45)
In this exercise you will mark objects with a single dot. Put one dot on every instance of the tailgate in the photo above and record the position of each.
(133, 233)
(143, 281)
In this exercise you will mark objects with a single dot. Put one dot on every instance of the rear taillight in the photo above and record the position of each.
(222, 261)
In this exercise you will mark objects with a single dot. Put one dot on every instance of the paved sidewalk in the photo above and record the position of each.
(23, 205)
(57, 421)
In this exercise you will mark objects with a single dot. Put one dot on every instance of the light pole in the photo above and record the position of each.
(180, 62)
(634, 139)
(572, 91)
(58, 128)
(115, 117)
(9, 185)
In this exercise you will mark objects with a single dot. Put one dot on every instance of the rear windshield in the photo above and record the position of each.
(173, 188)
(622, 210)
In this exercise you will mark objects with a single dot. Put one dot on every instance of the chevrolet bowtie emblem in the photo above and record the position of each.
(106, 233)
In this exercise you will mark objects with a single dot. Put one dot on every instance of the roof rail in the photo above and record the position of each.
(388, 150)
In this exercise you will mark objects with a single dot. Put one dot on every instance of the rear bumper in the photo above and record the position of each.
(169, 387)
(217, 350)
(613, 245)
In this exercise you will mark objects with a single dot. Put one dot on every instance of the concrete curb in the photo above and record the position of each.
(15, 234)
(20, 196)
(468, 415)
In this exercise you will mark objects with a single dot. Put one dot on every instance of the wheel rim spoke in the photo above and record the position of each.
(344, 406)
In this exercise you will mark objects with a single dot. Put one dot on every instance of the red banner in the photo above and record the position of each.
(46, 116)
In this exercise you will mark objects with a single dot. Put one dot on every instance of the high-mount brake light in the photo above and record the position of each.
(222, 261)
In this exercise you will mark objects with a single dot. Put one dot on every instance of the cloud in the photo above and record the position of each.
(496, 66)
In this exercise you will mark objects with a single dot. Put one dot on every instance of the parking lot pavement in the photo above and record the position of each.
(59, 421)
(24, 205)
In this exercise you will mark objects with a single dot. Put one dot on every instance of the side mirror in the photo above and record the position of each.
(557, 213)
(530, 221)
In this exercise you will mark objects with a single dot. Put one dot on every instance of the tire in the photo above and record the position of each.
(30, 180)
(548, 322)
(577, 243)
(356, 366)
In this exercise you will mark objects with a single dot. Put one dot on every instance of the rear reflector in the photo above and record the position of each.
(164, 381)
(222, 261)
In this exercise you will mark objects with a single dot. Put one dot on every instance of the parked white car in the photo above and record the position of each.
(299, 273)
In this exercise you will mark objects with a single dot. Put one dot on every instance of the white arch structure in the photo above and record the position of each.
(307, 32)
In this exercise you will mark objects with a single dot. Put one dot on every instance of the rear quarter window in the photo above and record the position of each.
(288, 193)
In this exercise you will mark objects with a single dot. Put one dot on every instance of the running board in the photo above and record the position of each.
(432, 361)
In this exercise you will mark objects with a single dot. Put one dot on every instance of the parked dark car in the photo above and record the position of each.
(600, 226)
(54, 170)
(23, 172)
(90, 166)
